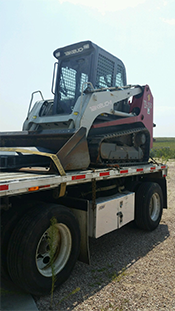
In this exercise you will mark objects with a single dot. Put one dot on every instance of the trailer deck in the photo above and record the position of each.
(13, 183)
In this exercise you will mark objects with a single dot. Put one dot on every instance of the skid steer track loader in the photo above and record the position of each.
(95, 118)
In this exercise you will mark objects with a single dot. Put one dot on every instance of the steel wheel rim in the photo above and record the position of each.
(53, 249)
(154, 207)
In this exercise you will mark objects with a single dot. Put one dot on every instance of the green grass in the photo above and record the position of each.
(164, 148)
(161, 142)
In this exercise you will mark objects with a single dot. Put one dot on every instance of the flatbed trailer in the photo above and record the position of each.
(47, 217)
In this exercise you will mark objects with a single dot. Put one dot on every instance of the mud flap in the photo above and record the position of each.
(80, 208)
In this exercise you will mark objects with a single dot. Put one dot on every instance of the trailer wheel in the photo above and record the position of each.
(38, 250)
(9, 220)
(149, 206)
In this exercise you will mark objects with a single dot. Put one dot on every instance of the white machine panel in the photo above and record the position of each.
(111, 213)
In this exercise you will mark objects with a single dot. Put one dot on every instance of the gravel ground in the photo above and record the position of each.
(130, 269)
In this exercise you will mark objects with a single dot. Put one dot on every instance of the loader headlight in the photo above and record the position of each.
(86, 46)
(57, 54)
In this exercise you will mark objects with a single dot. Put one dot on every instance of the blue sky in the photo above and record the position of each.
(140, 32)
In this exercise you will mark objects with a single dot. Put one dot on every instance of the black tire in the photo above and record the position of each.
(9, 220)
(149, 206)
(28, 254)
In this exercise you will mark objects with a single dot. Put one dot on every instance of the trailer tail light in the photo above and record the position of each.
(153, 168)
(33, 188)
(38, 188)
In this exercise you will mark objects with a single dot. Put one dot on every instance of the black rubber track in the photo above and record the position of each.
(95, 142)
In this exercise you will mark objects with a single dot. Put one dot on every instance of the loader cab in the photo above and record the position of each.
(84, 62)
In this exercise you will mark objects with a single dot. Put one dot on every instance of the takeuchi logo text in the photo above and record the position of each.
(101, 105)
(75, 51)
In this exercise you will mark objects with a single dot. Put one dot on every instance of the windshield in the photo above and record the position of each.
(72, 74)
